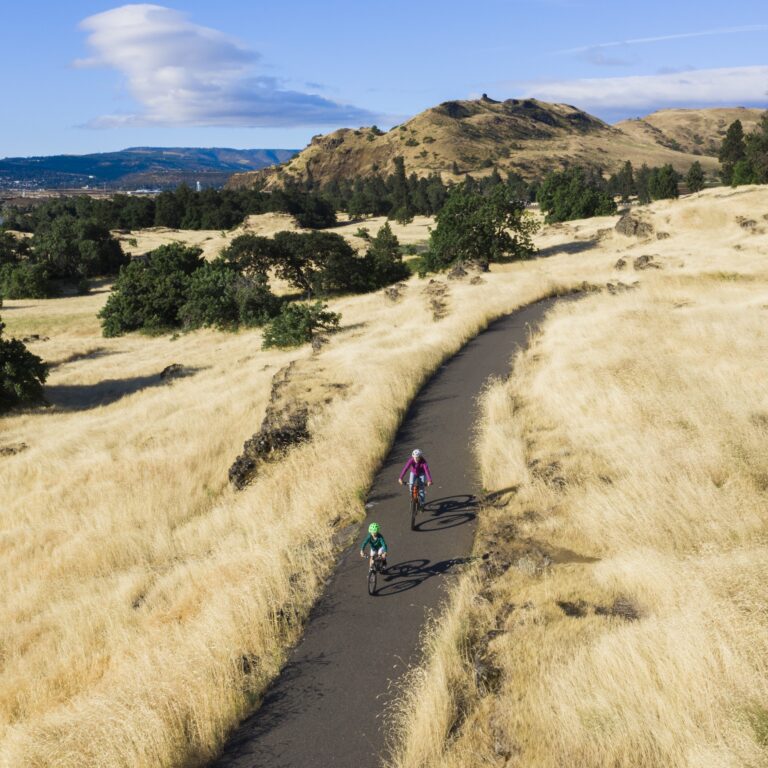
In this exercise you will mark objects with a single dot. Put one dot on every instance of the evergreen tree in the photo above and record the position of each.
(574, 194)
(383, 260)
(662, 184)
(642, 184)
(402, 209)
(694, 179)
(732, 150)
(623, 182)
(757, 151)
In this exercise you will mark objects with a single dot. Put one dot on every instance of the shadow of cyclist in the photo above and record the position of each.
(448, 512)
(409, 574)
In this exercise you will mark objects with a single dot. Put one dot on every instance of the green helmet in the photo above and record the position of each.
(373, 528)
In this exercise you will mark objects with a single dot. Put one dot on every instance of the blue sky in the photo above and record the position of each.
(91, 76)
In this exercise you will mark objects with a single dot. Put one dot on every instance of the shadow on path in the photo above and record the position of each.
(413, 573)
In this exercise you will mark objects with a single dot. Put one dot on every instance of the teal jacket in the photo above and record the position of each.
(376, 544)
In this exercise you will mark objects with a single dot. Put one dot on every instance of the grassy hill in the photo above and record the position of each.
(695, 131)
(527, 136)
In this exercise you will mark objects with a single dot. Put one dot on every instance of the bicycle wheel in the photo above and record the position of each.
(372, 580)
(414, 510)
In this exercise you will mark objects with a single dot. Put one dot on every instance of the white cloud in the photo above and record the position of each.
(664, 38)
(734, 85)
(185, 74)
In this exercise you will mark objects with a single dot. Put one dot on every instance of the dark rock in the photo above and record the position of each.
(631, 226)
(173, 371)
(620, 264)
(12, 449)
(457, 272)
(621, 607)
(645, 262)
(663, 235)
(34, 337)
(578, 610)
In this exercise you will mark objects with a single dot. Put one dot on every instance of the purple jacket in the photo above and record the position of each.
(418, 467)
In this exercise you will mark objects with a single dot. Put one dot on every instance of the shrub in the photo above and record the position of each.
(221, 296)
(25, 280)
(298, 323)
(150, 291)
(22, 374)
(574, 194)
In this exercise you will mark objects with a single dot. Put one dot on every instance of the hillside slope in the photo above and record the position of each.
(695, 131)
(527, 136)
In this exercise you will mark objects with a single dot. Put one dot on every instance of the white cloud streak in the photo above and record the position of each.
(664, 38)
(185, 74)
(702, 87)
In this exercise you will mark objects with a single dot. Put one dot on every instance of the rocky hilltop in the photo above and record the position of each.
(525, 136)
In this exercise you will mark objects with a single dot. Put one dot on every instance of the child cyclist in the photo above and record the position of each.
(419, 472)
(378, 546)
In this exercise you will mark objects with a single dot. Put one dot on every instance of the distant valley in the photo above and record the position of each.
(135, 168)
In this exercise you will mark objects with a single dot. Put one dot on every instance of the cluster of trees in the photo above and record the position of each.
(401, 196)
(744, 158)
(575, 193)
(659, 183)
(62, 250)
(181, 208)
(22, 374)
(173, 287)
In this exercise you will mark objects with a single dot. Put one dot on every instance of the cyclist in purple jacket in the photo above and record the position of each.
(419, 473)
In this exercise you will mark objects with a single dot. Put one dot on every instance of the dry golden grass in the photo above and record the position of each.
(621, 610)
(145, 605)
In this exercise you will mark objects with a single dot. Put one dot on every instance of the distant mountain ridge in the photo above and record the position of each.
(524, 136)
(137, 167)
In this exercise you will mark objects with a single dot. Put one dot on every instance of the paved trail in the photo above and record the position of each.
(326, 708)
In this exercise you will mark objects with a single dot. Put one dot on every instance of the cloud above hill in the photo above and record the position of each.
(744, 86)
(185, 74)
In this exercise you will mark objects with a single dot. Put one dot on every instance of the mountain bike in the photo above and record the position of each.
(374, 569)
(416, 505)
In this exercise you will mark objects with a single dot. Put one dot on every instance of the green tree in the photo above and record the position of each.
(623, 182)
(642, 182)
(150, 292)
(383, 260)
(662, 184)
(219, 295)
(22, 374)
(298, 323)
(251, 254)
(694, 179)
(25, 280)
(317, 262)
(574, 194)
(757, 151)
(481, 228)
(72, 247)
(732, 150)
(743, 173)
(402, 208)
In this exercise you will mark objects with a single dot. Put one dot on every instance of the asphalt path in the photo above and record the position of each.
(327, 706)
